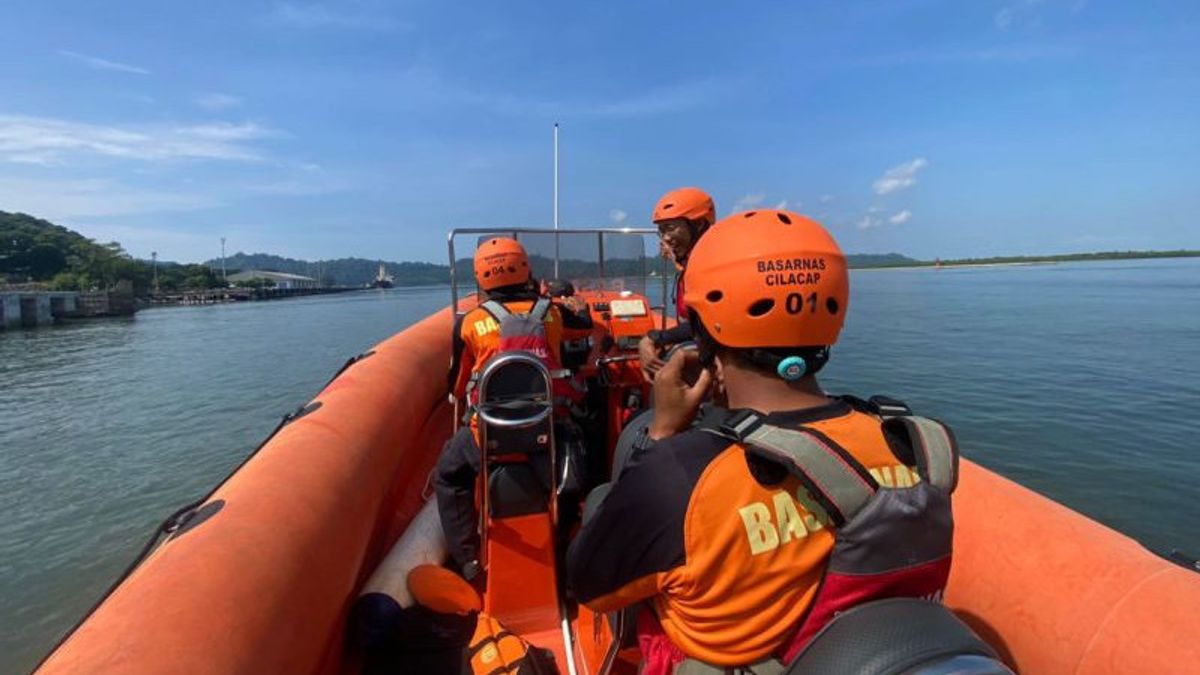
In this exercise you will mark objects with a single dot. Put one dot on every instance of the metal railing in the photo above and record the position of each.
(516, 233)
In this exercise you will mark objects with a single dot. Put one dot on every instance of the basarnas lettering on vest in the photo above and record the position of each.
(490, 325)
(791, 524)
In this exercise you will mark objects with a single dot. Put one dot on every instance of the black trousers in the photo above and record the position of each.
(454, 485)
(454, 481)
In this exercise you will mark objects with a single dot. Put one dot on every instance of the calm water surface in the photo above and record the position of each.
(1080, 380)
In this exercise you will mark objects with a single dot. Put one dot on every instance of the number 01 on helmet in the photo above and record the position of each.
(766, 279)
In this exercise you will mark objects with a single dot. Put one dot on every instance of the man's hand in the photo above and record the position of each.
(665, 251)
(649, 358)
(675, 401)
(575, 304)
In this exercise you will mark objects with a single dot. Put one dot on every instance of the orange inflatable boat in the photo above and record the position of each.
(262, 574)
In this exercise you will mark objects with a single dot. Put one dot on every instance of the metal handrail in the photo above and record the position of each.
(493, 366)
(545, 406)
(516, 231)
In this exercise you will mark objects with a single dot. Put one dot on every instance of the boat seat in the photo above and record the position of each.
(518, 489)
(515, 416)
(516, 429)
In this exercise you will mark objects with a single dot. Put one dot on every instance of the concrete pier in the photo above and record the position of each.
(26, 309)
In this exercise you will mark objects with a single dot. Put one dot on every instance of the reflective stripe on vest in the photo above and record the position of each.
(532, 321)
(934, 448)
(839, 483)
(500, 312)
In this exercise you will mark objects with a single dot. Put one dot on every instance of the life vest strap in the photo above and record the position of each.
(935, 449)
(837, 481)
(498, 311)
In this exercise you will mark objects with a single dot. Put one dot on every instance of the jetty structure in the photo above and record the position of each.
(29, 308)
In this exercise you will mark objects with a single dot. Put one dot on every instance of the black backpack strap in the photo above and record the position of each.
(838, 482)
(498, 311)
(934, 447)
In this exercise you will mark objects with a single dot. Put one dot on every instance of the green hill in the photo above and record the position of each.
(33, 250)
(341, 271)
(361, 271)
(38, 251)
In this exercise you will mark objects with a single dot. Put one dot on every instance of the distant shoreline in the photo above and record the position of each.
(1015, 261)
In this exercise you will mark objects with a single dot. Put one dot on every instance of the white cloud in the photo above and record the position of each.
(218, 101)
(869, 221)
(655, 102)
(86, 198)
(314, 16)
(1019, 13)
(49, 141)
(1004, 17)
(748, 202)
(825, 199)
(617, 215)
(293, 188)
(428, 88)
(1018, 53)
(874, 218)
(783, 204)
(97, 63)
(899, 177)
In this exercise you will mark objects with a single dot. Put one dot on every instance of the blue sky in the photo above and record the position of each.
(928, 127)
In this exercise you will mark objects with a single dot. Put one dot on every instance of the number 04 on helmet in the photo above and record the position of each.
(768, 279)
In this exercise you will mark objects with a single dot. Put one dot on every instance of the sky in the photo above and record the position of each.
(933, 128)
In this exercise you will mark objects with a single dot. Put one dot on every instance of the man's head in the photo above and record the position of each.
(559, 288)
(768, 290)
(501, 262)
(682, 216)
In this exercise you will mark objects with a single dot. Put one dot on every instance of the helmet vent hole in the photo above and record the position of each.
(783, 217)
(487, 274)
(714, 296)
(668, 207)
(831, 304)
(762, 307)
(749, 214)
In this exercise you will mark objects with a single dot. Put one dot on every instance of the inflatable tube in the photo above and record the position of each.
(423, 543)
(265, 582)
(1056, 592)
(378, 610)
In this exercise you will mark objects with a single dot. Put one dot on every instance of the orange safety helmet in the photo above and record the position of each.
(499, 262)
(691, 203)
(776, 280)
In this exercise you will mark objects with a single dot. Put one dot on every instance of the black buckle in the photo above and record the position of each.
(741, 423)
(886, 406)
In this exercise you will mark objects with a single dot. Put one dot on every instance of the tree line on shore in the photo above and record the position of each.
(37, 251)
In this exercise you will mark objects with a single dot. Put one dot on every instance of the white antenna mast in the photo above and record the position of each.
(556, 199)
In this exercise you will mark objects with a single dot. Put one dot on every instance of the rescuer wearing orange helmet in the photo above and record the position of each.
(503, 274)
(682, 217)
(714, 524)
